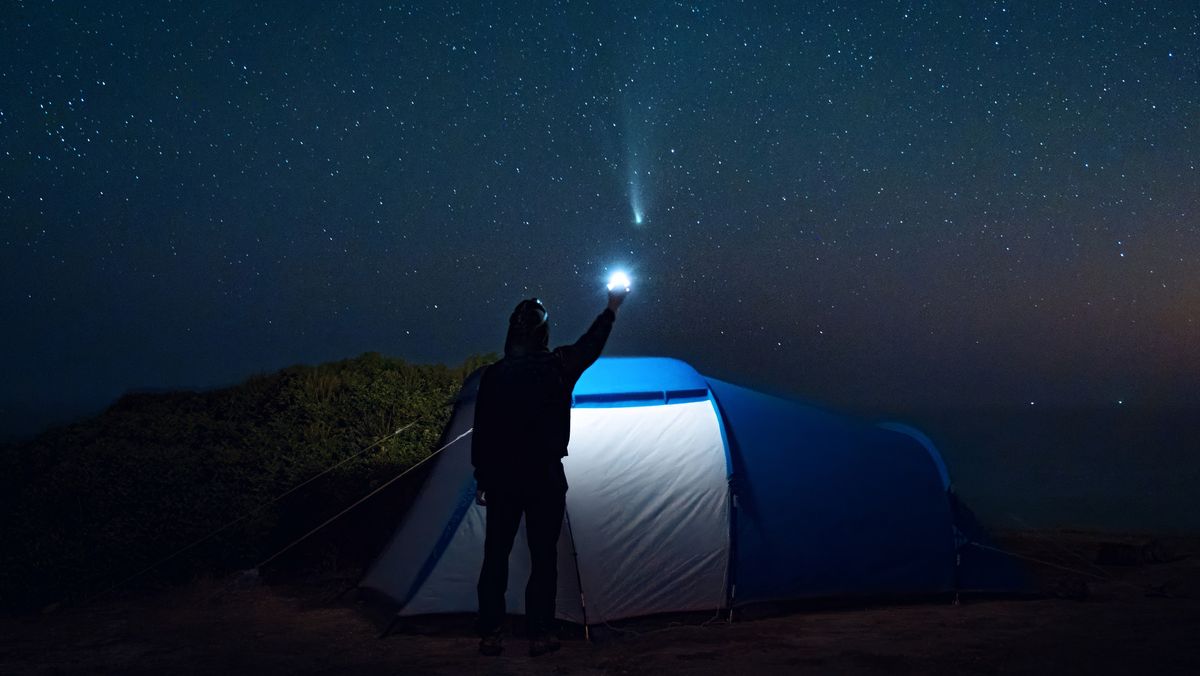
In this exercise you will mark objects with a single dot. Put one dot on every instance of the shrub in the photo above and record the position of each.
(89, 504)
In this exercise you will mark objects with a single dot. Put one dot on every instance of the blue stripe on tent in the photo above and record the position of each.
(629, 398)
(465, 498)
(623, 399)
(677, 396)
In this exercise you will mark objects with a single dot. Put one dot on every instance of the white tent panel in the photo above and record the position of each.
(451, 585)
(649, 506)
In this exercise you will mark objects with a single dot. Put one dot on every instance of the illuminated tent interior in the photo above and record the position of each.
(688, 494)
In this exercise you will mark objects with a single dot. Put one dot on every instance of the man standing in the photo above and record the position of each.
(522, 426)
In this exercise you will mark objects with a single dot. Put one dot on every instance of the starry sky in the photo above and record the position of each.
(877, 205)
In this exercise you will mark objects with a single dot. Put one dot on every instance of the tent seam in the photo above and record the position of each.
(466, 495)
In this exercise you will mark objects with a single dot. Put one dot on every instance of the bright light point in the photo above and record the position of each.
(638, 218)
(619, 280)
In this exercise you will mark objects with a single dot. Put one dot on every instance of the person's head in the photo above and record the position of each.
(528, 328)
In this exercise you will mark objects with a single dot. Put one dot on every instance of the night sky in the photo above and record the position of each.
(882, 205)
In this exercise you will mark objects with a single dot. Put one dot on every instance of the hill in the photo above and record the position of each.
(86, 505)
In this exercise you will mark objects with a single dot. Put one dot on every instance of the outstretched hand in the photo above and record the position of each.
(616, 296)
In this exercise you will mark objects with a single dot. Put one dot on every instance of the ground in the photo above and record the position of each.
(1139, 615)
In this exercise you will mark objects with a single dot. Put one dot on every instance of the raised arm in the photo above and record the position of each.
(585, 351)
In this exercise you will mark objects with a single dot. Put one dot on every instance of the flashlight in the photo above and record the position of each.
(619, 280)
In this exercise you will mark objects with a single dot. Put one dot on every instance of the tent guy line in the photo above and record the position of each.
(248, 514)
(1051, 564)
(361, 500)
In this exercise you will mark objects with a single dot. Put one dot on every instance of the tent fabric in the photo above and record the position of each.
(649, 506)
(450, 587)
(689, 493)
(925, 442)
(827, 507)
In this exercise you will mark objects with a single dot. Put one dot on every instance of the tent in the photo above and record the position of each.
(688, 493)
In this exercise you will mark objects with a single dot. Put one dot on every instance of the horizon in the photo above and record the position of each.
(22, 421)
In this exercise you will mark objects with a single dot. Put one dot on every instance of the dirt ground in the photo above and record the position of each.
(1140, 615)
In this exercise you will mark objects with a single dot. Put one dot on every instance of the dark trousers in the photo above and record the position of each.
(543, 506)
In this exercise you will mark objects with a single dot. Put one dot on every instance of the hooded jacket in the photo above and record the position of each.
(523, 408)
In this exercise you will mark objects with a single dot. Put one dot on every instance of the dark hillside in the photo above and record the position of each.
(86, 505)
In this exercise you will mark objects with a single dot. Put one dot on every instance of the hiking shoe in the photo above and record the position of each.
(540, 645)
(491, 645)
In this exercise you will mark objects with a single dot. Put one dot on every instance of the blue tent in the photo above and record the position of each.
(689, 493)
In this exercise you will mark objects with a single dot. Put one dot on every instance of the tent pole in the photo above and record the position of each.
(587, 635)
(731, 567)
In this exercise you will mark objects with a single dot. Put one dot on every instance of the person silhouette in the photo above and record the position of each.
(522, 427)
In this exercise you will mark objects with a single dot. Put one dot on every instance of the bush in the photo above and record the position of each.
(87, 505)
